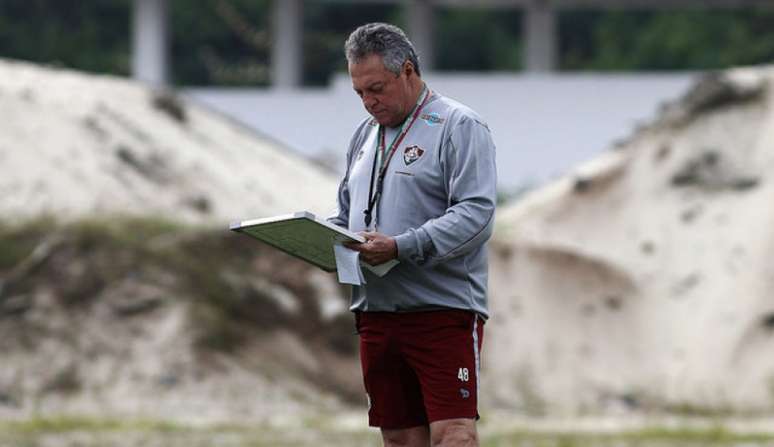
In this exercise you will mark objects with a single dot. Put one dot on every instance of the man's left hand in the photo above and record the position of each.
(377, 249)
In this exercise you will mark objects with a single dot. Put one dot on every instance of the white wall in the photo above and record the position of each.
(543, 125)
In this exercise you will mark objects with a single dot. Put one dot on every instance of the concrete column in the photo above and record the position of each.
(286, 59)
(540, 37)
(421, 29)
(150, 42)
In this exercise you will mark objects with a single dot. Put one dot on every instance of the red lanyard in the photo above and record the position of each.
(373, 197)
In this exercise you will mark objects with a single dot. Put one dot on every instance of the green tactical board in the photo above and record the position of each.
(301, 235)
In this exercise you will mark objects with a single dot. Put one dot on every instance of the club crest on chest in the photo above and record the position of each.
(412, 154)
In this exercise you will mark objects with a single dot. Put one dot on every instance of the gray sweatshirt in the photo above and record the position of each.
(438, 203)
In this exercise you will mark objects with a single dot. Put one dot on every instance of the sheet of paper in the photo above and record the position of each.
(381, 269)
(348, 265)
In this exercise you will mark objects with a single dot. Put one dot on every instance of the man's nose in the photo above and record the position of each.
(369, 101)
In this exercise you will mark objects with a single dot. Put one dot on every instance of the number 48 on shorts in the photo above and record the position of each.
(463, 375)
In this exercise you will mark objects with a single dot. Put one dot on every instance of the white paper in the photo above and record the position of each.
(348, 265)
(381, 269)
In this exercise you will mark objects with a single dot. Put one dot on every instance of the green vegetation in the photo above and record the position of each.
(228, 42)
(668, 40)
(16, 245)
(91, 36)
(655, 437)
(325, 432)
(479, 39)
(70, 424)
(86, 432)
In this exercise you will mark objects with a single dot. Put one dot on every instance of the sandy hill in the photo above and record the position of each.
(124, 309)
(140, 319)
(73, 144)
(644, 279)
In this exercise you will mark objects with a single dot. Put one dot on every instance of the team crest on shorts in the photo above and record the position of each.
(412, 154)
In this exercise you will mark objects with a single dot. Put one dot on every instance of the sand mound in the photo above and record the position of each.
(134, 319)
(73, 144)
(94, 326)
(644, 280)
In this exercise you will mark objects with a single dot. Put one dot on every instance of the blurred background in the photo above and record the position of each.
(632, 291)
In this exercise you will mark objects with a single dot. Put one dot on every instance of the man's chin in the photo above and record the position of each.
(385, 121)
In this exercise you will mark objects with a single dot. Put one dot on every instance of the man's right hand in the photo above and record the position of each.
(377, 249)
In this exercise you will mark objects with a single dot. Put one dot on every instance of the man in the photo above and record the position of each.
(420, 187)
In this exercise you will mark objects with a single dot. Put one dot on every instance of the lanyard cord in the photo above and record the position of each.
(374, 196)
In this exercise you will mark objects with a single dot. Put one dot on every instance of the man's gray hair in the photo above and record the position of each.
(385, 40)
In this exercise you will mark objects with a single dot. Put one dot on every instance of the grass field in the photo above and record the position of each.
(72, 432)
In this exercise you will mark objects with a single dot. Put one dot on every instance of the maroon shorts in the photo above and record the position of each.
(420, 367)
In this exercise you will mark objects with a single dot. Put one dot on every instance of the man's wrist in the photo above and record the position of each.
(393, 247)
(407, 246)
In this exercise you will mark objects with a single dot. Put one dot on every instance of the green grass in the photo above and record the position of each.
(655, 436)
(17, 241)
(69, 424)
(91, 432)
(324, 432)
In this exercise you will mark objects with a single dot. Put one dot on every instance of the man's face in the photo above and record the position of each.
(386, 97)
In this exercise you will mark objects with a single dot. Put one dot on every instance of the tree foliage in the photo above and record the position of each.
(90, 35)
(228, 42)
(220, 42)
(473, 39)
(666, 40)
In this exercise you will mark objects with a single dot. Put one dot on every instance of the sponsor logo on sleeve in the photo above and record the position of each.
(432, 119)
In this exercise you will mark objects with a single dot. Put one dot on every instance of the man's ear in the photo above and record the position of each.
(408, 68)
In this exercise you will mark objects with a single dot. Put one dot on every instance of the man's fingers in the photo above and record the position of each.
(361, 246)
(374, 250)
(357, 246)
(369, 235)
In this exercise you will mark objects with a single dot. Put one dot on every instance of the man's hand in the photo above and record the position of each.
(377, 249)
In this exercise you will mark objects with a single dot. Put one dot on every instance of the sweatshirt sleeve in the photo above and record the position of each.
(470, 177)
(340, 215)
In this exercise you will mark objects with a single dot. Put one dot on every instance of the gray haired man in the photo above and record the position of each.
(420, 187)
